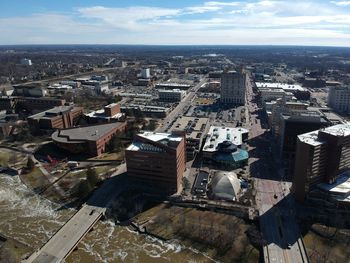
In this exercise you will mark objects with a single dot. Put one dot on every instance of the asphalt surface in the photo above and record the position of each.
(282, 239)
(180, 108)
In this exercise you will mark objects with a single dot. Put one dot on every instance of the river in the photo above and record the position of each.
(32, 220)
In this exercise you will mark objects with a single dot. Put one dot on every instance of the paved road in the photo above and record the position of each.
(283, 242)
(180, 108)
(67, 238)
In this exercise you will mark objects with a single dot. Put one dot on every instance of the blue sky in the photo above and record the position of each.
(175, 22)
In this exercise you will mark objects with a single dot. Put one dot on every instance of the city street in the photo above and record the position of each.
(282, 240)
(180, 108)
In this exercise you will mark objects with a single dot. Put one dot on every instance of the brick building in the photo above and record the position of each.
(90, 140)
(321, 157)
(158, 159)
(110, 113)
(61, 117)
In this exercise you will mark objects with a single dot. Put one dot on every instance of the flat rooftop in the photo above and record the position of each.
(83, 134)
(193, 126)
(217, 135)
(100, 114)
(171, 91)
(276, 85)
(53, 112)
(164, 138)
(311, 138)
(340, 189)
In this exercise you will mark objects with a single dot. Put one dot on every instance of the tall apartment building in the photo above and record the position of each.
(291, 124)
(61, 117)
(233, 86)
(145, 73)
(157, 159)
(339, 98)
(321, 157)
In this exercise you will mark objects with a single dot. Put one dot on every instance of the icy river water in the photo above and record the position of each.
(32, 220)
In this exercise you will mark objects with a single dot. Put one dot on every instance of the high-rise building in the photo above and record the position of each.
(321, 157)
(158, 160)
(292, 123)
(26, 62)
(339, 98)
(233, 86)
(145, 73)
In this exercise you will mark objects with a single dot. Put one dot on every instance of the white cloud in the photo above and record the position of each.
(214, 3)
(341, 3)
(262, 22)
(200, 9)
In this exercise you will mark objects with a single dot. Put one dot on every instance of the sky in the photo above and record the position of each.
(175, 22)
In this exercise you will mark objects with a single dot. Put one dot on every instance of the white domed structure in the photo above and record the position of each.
(224, 186)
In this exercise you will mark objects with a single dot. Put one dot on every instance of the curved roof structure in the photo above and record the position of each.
(224, 186)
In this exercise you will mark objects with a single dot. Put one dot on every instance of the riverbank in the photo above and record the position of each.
(12, 251)
(327, 244)
(222, 237)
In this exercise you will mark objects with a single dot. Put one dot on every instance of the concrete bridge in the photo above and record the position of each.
(60, 245)
(68, 237)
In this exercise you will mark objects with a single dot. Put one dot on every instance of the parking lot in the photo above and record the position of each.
(200, 184)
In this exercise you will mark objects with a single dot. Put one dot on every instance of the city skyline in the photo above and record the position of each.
(321, 23)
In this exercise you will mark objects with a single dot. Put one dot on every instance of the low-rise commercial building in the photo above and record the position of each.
(299, 92)
(171, 95)
(195, 132)
(30, 104)
(29, 91)
(322, 156)
(157, 159)
(148, 111)
(110, 113)
(223, 145)
(61, 117)
(170, 86)
(274, 94)
(91, 140)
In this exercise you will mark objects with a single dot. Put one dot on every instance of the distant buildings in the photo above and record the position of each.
(170, 86)
(339, 98)
(59, 87)
(322, 156)
(29, 104)
(96, 83)
(145, 73)
(224, 146)
(26, 62)
(91, 140)
(233, 87)
(110, 113)
(175, 95)
(29, 91)
(148, 111)
(157, 159)
(272, 91)
(61, 117)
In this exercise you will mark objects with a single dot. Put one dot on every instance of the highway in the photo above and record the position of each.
(281, 234)
(60, 245)
(180, 108)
